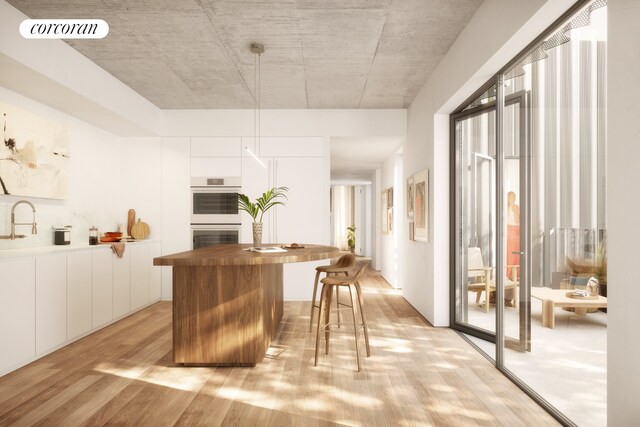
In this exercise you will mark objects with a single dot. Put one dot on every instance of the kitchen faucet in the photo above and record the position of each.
(34, 226)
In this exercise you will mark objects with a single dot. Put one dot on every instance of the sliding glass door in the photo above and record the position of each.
(529, 244)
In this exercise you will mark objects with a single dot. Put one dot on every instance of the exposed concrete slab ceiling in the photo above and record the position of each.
(319, 53)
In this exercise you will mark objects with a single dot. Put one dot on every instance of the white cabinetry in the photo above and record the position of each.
(17, 311)
(139, 278)
(256, 179)
(51, 301)
(121, 284)
(208, 146)
(102, 299)
(155, 273)
(79, 301)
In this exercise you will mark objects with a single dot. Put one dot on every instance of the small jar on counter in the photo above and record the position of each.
(93, 236)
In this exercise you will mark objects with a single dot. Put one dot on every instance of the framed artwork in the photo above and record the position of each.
(410, 200)
(390, 219)
(390, 197)
(412, 231)
(421, 205)
(34, 155)
(385, 223)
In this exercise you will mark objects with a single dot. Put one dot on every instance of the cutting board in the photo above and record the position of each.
(140, 230)
(131, 220)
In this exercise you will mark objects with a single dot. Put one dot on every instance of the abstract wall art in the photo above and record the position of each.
(34, 155)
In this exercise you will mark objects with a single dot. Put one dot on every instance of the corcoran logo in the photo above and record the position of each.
(64, 29)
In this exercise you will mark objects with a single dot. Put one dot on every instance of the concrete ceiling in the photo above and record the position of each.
(319, 53)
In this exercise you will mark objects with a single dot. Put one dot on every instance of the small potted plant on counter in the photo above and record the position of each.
(351, 238)
(258, 208)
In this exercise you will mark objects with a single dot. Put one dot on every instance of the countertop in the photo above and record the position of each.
(233, 254)
(55, 249)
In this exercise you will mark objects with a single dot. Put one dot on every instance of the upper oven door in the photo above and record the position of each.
(214, 205)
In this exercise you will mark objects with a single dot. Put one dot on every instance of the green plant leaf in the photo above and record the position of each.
(248, 206)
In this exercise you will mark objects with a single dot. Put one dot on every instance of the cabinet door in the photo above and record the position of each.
(139, 275)
(79, 302)
(304, 219)
(121, 284)
(155, 273)
(17, 311)
(51, 301)
(102, 299)
(216, 166)
(256, 179)
(209, 146)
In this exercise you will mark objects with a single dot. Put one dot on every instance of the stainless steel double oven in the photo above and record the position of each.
(215, 218)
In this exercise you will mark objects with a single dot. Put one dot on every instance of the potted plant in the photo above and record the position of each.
(258, 208)
(351, 238)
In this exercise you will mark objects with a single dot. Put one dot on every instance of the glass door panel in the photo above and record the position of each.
(474, 294)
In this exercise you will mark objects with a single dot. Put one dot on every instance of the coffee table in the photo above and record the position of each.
(552, 298)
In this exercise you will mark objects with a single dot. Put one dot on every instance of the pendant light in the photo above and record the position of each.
(257, 49)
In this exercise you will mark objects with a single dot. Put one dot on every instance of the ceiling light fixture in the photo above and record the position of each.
(257, 49)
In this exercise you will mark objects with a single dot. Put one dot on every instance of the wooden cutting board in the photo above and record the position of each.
(140, 230)
(131, 220)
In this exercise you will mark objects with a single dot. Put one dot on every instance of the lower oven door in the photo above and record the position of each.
(205, 235)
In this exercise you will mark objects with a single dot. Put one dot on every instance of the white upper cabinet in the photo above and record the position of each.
(79, 289)
(303, 146)
(207, 146)
(216, 167)
(51, 301)
(17, 311)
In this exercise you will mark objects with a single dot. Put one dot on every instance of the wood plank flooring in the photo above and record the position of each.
(416, 375)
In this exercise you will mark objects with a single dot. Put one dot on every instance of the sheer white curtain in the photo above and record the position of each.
(342, 214)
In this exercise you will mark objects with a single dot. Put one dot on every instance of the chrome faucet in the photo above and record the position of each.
(34, 226)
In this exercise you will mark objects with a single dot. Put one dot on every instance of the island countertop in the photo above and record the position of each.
(236, 254)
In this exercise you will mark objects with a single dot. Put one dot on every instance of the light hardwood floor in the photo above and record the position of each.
(416, 375)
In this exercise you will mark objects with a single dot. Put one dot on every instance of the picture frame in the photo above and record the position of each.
(421, 206)
(412, 231)
(410, 199)
(35, 155)
(384, 208)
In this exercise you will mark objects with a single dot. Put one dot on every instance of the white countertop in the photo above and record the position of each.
(44, 250)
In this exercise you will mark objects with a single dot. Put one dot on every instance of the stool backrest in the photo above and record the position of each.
(359, 273)
(346, 261)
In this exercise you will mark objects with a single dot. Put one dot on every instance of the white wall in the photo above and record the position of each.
(623, 157)
(107, 176)
(390, 257)
(480, 51)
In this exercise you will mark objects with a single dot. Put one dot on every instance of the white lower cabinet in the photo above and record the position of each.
(17, 311)
(139, 276)
(102, 284)
(79, 301)
(51, 301)
(155, 273)
(121, 284)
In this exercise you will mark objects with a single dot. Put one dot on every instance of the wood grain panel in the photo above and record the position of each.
(234, 254)
(225, 315)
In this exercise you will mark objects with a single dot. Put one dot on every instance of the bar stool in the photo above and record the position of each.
(352, 282)
(344, 264)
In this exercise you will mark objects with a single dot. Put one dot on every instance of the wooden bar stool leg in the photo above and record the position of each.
(313, 300)
(364, 322)
(354, 309)
(327, 311)
(322, 305)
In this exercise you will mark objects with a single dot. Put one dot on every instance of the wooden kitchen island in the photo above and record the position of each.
(228, 302)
